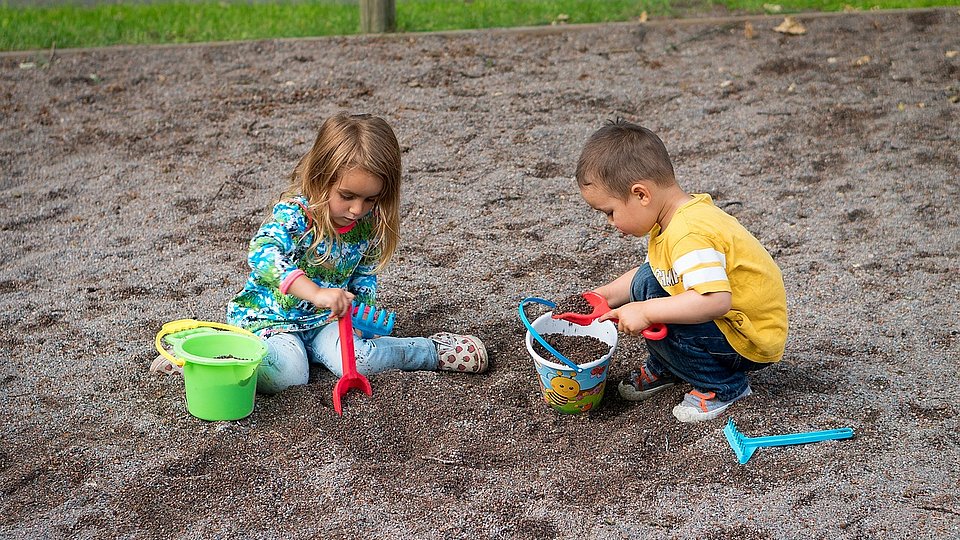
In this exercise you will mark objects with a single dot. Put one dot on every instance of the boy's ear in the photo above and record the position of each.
(641, 191)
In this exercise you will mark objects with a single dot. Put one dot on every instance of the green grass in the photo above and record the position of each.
(788, 6)
(29, 28)
(433, 15)
(112, 24)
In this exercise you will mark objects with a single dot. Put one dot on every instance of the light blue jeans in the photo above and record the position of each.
(289, 356)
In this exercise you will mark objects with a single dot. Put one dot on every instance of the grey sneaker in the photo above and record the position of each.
(643, 384)
(697, 406)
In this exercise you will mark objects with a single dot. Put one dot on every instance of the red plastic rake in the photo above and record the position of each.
(350, 380)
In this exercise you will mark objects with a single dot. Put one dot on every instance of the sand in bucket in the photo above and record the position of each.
(563, 388)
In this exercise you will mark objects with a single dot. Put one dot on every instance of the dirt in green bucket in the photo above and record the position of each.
(220, 374)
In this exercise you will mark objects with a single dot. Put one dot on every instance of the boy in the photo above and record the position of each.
(707, 278)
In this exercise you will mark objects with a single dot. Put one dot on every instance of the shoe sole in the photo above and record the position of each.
(685, 413)
(629, 393)
(484, 363)
(689, 414)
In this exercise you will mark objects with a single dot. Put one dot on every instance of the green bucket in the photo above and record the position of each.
(219, 371)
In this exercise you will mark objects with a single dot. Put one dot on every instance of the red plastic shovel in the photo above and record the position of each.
(350, 379)
(655, 331)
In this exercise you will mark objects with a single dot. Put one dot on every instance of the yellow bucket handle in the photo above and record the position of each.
(180, 325)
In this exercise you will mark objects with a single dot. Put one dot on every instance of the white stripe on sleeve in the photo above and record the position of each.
(703, 275)
(698, 257)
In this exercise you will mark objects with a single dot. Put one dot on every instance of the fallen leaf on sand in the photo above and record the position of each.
(952, 54)
(791, 26)
(748, 30)
(862, 61)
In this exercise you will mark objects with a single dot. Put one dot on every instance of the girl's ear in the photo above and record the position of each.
(641, 191)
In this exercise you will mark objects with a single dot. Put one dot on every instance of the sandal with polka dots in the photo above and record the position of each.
(460, 353)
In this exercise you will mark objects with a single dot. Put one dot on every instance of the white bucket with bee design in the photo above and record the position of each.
(561, 387)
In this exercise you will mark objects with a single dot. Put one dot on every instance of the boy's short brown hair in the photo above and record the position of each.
(620, 154)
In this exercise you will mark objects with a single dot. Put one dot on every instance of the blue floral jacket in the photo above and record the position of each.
(278, 255)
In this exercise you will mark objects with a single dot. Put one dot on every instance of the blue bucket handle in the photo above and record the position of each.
(523, 318)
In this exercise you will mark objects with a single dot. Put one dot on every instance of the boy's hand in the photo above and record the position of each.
(338, 301)
(633, 318)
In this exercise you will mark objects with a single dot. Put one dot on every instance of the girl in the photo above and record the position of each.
(334, 228)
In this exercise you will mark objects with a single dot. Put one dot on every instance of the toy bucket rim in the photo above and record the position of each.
(191, 358)
(584, 367)
(181, 325)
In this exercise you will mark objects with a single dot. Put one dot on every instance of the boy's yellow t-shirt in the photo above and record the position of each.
(707, 250)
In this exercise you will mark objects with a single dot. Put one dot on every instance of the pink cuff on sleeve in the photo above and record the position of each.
(285, 284)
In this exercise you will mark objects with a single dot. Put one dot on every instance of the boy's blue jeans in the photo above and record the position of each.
(289, 356)
(697, 353)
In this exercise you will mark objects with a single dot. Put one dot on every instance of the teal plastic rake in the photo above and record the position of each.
(745, 446)
(372, 321)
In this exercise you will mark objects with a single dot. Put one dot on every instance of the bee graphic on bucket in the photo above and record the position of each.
(561, 390)
(566, 386)
(564, 394)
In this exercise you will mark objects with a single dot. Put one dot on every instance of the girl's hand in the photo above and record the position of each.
(633, 318)
(338, 301)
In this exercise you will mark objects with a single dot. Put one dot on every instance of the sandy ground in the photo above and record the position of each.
(132, 179)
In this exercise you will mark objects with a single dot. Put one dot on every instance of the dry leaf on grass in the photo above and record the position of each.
(643, 17)
(791, 26)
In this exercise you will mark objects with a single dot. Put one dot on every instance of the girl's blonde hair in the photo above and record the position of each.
(347, 142)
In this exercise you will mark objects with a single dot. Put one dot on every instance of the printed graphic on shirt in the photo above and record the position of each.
(667, 278)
